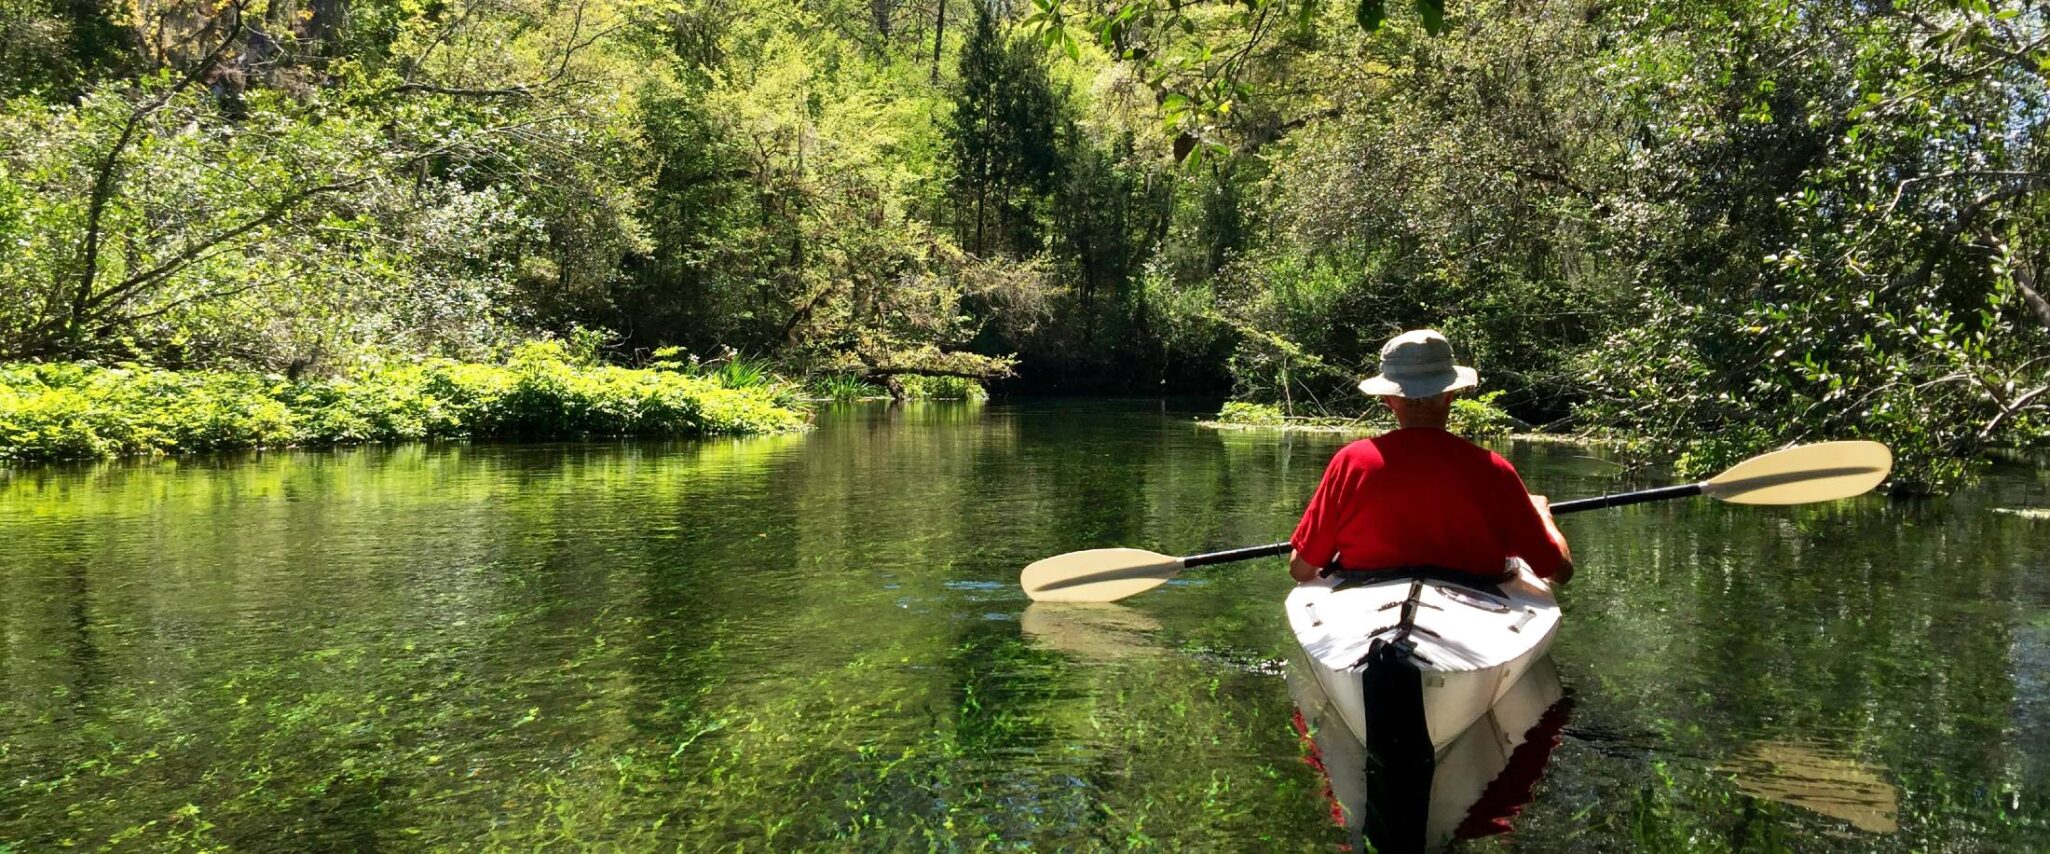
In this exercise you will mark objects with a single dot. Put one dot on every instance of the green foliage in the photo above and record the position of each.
(1704, 228)
(917, 387)
(1004, 139)
(741, 372)
(1251, 414)
(1480, 417)
(844, 388)
(70, 411)
(1875, 275)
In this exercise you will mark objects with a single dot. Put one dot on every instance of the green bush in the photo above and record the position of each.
(1478, 417)
(942, 388)
(71, 411)
(1253, 414)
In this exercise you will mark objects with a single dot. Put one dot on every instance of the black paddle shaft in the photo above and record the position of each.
(1229, 555)
(1620, 499)
(1624, 499)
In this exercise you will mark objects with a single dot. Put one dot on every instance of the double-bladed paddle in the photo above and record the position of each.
(1800, 475)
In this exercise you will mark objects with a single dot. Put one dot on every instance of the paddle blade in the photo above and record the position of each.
(1821, 472)
(1097, 575)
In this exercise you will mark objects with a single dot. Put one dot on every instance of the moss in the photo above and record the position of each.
(72, 411)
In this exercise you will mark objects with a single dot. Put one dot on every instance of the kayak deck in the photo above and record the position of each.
(1467, 640)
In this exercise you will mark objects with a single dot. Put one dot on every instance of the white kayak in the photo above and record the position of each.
(1475, 787)
(1418, 656)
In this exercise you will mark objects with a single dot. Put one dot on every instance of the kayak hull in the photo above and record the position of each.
(1473, 787)
(1420, 656)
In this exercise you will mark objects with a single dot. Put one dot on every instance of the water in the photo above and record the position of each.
(816, 642)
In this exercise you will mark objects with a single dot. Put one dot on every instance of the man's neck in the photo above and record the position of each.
(1420, 423)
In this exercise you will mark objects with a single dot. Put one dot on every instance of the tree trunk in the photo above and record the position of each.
(939, 37)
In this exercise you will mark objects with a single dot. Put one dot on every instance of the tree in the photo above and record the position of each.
(1005, 139)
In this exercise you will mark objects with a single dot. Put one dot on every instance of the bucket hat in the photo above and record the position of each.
(1418, 363)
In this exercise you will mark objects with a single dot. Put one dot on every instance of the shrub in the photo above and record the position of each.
(1254, 414)
(70, 411)
(1477, 417)
(942, 388)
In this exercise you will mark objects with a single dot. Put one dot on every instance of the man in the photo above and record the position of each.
(1420, 496)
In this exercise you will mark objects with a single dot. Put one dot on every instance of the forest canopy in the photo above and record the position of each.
(1702, 228)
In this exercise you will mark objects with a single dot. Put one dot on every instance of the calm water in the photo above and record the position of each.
(816, 642)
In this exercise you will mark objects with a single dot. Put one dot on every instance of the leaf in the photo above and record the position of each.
(1433, 13)
(1306, 14)
(1074, 48)
(1371, 13)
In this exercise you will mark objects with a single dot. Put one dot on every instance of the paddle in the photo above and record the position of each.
(1801, 475)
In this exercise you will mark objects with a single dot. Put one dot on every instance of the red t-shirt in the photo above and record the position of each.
(1423, 497)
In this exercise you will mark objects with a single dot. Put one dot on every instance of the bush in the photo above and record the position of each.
(1480, 417)
(942, 388)
(1252, 414)
(71, 411)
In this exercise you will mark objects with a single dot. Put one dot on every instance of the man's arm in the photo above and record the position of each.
(1565, 571)
(1316, 536)
(1526, 527)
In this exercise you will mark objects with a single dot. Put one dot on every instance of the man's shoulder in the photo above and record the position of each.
(1440, 446)
(1436, 441)
(1360, 449)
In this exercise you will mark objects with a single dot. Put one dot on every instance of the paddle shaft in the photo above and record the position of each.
(1625, 499)
(1620, 499)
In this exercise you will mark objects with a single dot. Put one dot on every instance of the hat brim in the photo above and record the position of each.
(1422, 385)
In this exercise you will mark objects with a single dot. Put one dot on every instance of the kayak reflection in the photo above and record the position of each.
(1470, 789)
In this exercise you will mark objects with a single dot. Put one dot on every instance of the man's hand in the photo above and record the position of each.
(1300, 570)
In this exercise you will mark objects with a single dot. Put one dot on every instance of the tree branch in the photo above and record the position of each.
(106, 176)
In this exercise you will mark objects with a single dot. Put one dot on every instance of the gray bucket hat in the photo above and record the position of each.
(1418, 363)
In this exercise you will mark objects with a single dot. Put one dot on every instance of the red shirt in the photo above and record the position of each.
(1423, 497)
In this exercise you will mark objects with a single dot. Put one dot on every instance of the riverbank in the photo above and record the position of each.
(1475, 418)
(83, 411)
(1370, 428)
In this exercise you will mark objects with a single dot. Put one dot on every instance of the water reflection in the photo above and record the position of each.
(1092, 631)
(1818, 778)
(1473, 788)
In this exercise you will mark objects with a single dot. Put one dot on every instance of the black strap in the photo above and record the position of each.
(1483, 583)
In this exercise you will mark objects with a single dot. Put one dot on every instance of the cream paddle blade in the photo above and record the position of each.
(1107, 575)
(1809, 473)
(1097, 575)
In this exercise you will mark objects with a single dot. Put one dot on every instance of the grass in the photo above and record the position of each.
(82, 411)
(842, 388)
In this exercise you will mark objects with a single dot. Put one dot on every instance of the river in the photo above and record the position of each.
(816, 641)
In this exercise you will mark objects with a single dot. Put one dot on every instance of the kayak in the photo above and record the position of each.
(1411, 658)
(1473, 788)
